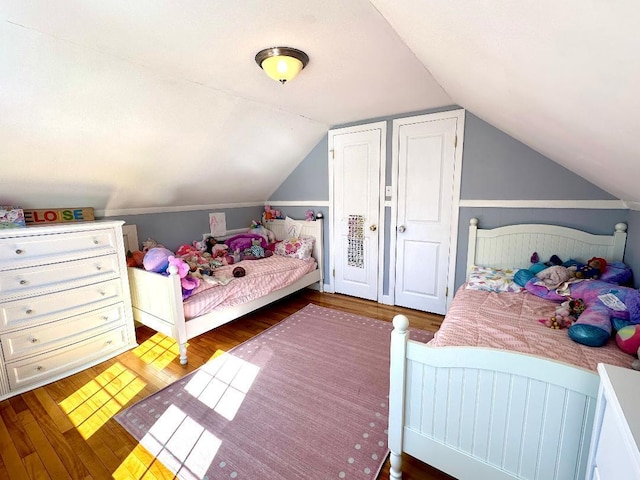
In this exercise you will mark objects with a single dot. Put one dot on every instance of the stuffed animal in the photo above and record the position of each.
(271, 214)
(188, 283)
(150, 243)
(603, 302)
(135, 258)
(257, 229)
(566, 314)
(593, 269)
(309, 216)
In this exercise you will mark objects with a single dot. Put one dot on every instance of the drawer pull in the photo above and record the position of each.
(98, 268)
(105, 317)
(109, 342)
(39, 368)
(29, 311)
(23, 282)
(19, 251)
(33, 340)
(96, 242)
(103, 293)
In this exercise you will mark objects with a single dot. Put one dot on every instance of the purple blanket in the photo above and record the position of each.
(243, 241)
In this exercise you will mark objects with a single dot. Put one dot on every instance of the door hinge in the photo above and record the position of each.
(446, 292)
(333, 154)
(334, 272)
(455, 141)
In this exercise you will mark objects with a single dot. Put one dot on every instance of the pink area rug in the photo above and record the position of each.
(305, 399)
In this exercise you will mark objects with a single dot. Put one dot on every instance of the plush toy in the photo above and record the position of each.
(593, 269)
(150, 243)
(157, 259)
(603, 302)
(271, 214)
(628, 339)
(257, 229)
(188, 283)
(135, 258)
(309, 216)
(566, 314)
(256, 250)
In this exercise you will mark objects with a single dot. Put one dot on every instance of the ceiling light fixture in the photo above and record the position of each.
(282, 63)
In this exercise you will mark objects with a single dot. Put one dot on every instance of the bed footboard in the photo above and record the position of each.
(157, 303)
(483, 413)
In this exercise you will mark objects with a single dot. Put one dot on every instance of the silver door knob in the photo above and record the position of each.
(402, 228)
(373, 228)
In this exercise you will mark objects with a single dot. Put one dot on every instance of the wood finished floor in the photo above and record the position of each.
(66, 430)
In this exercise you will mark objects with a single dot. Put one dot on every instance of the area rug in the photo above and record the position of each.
(305, 399)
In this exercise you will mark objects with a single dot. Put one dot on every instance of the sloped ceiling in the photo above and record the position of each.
(561, 77)
(148, 105)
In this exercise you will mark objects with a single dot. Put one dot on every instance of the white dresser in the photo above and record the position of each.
(616, 433)
(64, 301)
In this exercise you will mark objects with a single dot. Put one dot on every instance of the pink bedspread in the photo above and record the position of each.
(262, 277)
(508, 321)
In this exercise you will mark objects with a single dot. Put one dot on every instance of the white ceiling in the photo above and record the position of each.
(155, 104)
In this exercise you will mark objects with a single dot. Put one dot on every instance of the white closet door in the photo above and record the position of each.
(425, 159)
(356, 157)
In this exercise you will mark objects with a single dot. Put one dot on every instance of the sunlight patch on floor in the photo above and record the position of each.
(140, 464)
(158, 351)
(92, 405)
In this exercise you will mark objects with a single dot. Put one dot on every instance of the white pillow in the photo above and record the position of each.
(292, 228)
(300, 247)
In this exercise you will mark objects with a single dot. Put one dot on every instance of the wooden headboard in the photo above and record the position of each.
(512, 246)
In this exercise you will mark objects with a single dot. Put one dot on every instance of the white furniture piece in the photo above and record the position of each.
(157, 299)
(64, 301)
(486, 413)
(616, 435)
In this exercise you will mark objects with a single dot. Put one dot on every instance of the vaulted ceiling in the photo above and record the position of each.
(150, 104)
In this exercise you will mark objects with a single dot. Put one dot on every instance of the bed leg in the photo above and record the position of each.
(396, 464)
(183, 353)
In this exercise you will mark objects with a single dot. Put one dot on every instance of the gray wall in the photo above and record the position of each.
(632, 253)
(310, 179)
(177, 228)
(495, 166)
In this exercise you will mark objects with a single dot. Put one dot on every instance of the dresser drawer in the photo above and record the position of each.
(23, 251)
(52, 365)
(56, 306)
(15, 284)
(39, 339)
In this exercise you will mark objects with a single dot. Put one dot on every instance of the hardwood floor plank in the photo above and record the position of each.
(16, 430)
(83, 450)
(45, 450)
(65, 452)
(35, 467)
(9, 454)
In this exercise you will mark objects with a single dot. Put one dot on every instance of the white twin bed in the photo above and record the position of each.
(489, 413)
(157, 299)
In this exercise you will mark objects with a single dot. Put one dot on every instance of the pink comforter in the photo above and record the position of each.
(262, 277)
(509, 321)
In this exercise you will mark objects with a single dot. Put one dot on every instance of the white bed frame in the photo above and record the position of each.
(484, 413)
(157, 299)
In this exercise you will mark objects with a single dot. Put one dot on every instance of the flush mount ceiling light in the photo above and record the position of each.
(282, 63)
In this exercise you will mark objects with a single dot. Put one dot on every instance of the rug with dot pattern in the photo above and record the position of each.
(305, 399)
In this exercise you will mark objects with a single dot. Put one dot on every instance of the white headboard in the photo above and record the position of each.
(512, 246)
(311, 229)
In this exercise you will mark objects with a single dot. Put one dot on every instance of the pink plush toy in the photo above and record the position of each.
(189, 283)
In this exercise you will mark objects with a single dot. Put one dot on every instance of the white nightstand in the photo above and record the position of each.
(614, 451)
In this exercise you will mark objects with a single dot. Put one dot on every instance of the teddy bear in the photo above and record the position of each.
(593, 268)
